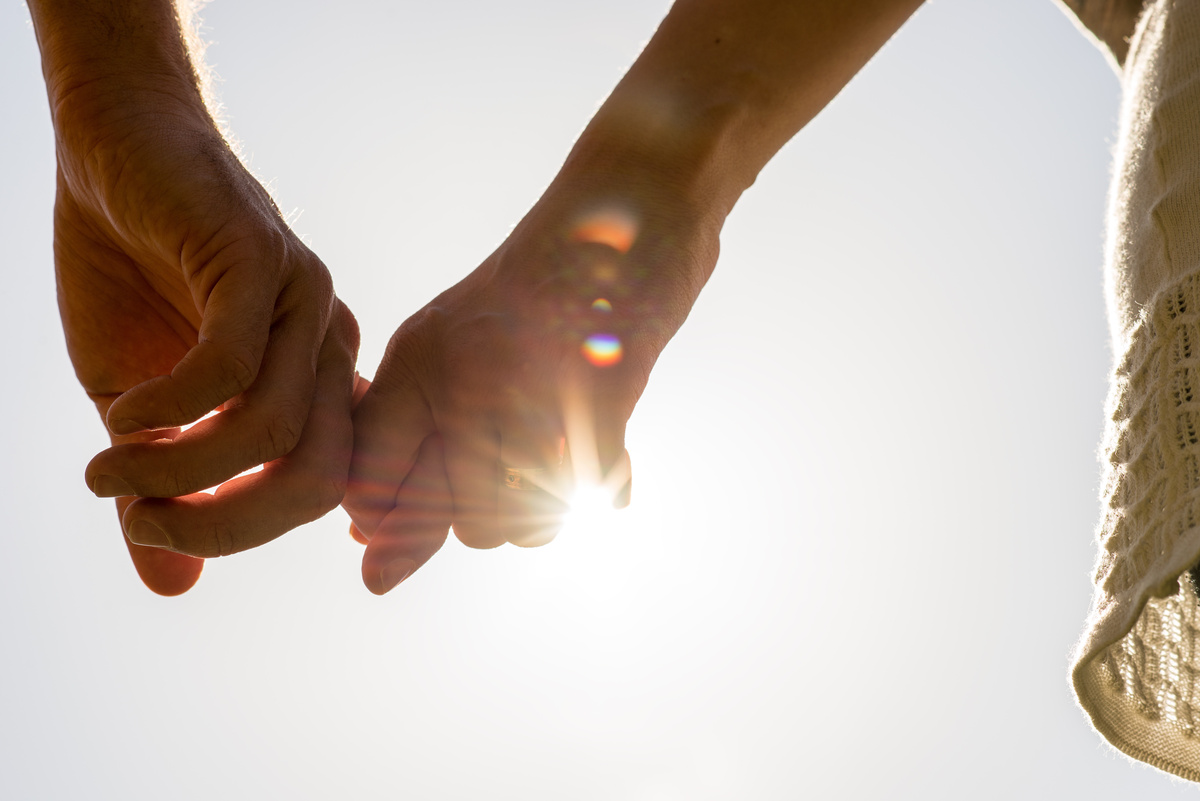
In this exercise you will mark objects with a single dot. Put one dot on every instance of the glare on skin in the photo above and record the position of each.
(613, 227)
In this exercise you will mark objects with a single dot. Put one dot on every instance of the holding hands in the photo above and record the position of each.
(183, 292)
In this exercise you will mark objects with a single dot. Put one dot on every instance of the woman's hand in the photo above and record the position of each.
(552, 339)
(516, 384)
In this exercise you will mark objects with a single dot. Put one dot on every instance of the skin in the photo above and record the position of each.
(1111, 21)
(492, 372)
(181, 291)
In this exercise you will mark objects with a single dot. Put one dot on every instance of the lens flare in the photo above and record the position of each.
(611, 227)
(591, 512)
(602, 350)
(601, 305)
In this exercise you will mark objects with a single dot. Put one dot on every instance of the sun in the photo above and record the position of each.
(590, 511)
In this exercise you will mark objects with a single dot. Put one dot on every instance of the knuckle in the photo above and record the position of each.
(282, 431)
(327, 494)
(353, 503)
(347, 327)
(219, 539)
(426, 324)
(185, 408)
(305, 272)
(179, 480)
(240, 367)
(319, 275)
(366, 500)
(188, 402)
(412, 354)
(474, 535)
(342, 338)
(271, 240)
(314, 497)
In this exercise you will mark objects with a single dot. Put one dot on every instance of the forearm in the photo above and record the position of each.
(723, 85)
(101, 56)
(1110, 21)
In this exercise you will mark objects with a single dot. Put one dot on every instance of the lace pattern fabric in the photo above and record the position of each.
(1137, 670)
(1140, 676)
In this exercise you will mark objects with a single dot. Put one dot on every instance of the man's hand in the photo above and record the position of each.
(183, 291)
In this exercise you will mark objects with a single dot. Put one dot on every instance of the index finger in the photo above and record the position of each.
(264, 423)
(223, 363)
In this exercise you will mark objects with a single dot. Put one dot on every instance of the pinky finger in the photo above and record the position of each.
(416, 528)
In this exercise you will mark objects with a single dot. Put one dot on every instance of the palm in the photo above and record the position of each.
(120, 331)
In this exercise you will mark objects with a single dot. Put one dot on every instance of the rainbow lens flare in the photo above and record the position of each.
(601, 305)
(602, 350)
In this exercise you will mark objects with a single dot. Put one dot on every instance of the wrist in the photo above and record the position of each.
(100, 59)
(649, 172)
(621, 240)
(664, 149)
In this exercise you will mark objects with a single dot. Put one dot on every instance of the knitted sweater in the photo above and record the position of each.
(1137, 669)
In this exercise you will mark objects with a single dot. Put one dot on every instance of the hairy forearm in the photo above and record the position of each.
(723, 85)
(122, 75)
(105, 53)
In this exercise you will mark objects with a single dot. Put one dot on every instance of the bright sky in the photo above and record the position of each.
(865, 473)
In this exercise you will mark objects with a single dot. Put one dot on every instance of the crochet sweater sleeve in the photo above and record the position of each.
(1137, 668)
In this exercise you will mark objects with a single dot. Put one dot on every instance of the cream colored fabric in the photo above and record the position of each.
(1137, 669)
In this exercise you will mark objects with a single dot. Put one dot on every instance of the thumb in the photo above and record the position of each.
(163, 572)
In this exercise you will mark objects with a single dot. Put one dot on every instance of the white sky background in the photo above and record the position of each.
(866, 480)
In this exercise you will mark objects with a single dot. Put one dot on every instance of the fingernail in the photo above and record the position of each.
(125, 426)
(111, 487)
(395, 572)
(144, 533)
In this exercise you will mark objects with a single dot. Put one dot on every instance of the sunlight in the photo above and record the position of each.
(613, 226)
(248, 471)
(591, 512)
(187, 426)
